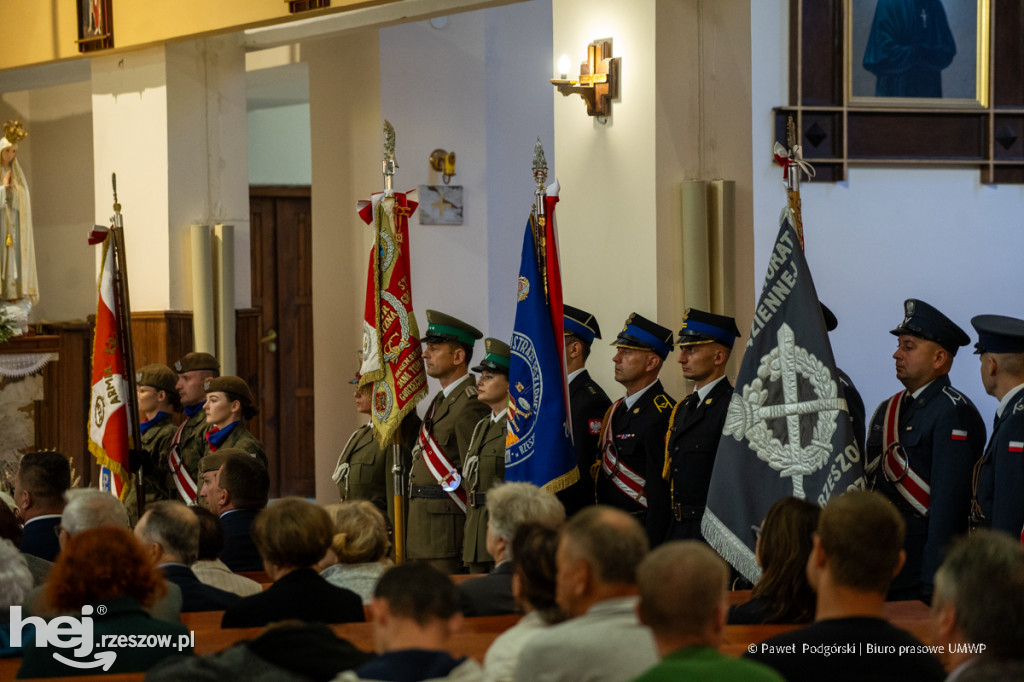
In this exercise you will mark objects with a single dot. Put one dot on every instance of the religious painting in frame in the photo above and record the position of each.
(95, 25)
(440, 204)
(917, 53)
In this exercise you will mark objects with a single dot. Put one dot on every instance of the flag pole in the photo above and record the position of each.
(540, 176)
(793, 179)
(388, 169)
(124, 325)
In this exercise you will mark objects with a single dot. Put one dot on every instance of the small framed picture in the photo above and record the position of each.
(440, 204)
(918, 53)
(95, 25)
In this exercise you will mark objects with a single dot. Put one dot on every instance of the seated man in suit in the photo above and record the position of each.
(510, 505)
(39, 486)
(169, 531)
(236, 491)
(292, 536)
(598, 554)
(86, 509)
(414, 615)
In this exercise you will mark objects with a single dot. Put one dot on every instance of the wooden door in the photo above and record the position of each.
(282, 292)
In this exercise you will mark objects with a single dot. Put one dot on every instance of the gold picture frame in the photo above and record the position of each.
(883, 68)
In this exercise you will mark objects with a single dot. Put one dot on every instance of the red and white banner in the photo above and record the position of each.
(108, 414)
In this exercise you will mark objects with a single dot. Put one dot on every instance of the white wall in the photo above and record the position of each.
(885, 235)
(279, 150)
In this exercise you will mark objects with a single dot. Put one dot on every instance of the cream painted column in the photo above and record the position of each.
(683, 113)
(171, 122)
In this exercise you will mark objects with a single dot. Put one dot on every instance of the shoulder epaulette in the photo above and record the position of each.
(470, 391)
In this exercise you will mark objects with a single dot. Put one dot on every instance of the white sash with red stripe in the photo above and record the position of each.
(447, 476)
(185, 484)
(629, 482)
(914, 489)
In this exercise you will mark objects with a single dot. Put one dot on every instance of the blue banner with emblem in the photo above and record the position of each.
(538, 448)
(788, 430)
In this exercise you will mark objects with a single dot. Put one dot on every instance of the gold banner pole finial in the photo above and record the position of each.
(539, 223)
(793, 179)
(390, 165)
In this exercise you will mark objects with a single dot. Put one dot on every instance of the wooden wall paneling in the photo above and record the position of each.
(247, 350)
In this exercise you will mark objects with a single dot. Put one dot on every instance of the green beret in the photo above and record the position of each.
(234, 386)
(196, 361)
(160, 377)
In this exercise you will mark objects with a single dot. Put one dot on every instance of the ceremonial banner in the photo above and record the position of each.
(108, 415)
(391, 346)
(538, 448)
(788, 431)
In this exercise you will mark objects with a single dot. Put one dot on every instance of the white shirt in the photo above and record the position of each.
(630, 400)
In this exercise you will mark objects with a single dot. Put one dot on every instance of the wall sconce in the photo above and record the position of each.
(444, 163)
(598, 83)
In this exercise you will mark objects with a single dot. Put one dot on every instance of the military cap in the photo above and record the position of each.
(831, 322)
(581, 323)
(926, 322)
(235, 387)
(497, 357)
(160, 377)
(196, 361)
(998, 334)
(442, 328)
(641, 334)
(700, 327)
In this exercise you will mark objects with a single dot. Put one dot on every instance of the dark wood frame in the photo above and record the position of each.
(104, 41)
(835, 134)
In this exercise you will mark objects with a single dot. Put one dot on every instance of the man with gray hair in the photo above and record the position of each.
(15, 583)
(598, 554)
(89, 508)
(509, 506)
(978, 608)
(683, 601)
(169, 532)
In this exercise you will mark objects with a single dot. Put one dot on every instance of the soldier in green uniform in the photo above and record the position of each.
(158, 400)
(188, 445)
(437, 498)
(228, 402)
(485, 459)
(363, 471)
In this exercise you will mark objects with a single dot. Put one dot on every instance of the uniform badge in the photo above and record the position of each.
(662, 403)
(636, 410)
(1016, 446)
(958, 434)
(708, 401)
(594, 426)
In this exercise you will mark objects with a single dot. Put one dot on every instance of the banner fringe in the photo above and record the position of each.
(730, 547)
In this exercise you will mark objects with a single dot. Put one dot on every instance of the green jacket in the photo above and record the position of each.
(156, 442)
(192, 447)
(436, 524)
(241, 438)
(700, 663)
(487, 471)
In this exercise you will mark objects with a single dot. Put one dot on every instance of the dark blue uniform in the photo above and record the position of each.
(677, 505)
(943, 435)
(588, 403)
(639, 436)
(1000, 486)
(855, 406)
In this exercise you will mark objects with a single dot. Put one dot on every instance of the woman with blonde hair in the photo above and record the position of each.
(359, 548)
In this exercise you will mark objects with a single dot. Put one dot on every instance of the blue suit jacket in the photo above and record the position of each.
(240, 553)
(489, 595)
(196, 596)
(40, 539)
(1001, 477)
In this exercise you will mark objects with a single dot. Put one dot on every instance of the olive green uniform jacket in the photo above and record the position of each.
(484, 473)
(156, 442)
(436, 523)
(241, 438)
(192, 447)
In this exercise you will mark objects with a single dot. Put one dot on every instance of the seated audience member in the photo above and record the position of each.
(15, 582)
(683, 600)
(533, 585)
(208, 568)
(415, 612)
(39, 486)
(979, 600)
(598, 553)
(356, 558)
(237, 495)
(10, 529)
(509, 506)
(782, 595)
(105, 566)
(169, 532)
(292, 536)
(284, 652)
(87, 509)
(858, 549)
